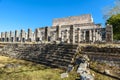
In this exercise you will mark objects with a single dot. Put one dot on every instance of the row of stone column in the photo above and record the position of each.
(88, 35)
(15, 36)
(43, 34)
(94, 35)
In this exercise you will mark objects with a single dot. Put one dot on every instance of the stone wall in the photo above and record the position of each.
(108, 54)
(73, 20)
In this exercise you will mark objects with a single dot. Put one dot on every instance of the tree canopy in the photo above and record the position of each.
(114, 20)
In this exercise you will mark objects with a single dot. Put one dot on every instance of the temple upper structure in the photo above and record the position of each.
(75, 29)
(83, 19)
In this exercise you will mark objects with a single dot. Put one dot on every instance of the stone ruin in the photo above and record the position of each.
(75, 29)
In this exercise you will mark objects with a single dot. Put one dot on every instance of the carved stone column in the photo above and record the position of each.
(90, 35)
(72, 34)
(7, 36)
(46, 33)
(84, 36)
(2, 36)
(97, 36)
(62, 36)
(109, 33)
(58, 34)
(17, 36)
(22, 36)
(12, 36)
(94, 35)
(29, 38)
(79, 35)
(67, 36)
(37, 35)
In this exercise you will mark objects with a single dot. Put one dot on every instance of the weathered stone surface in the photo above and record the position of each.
(107, 54)
(107, 71)
(109, 33)
(73, 20)
(53, 55)
(70, 68)
(86, 77)
(64, 75)
(83, 69)
(12, 65)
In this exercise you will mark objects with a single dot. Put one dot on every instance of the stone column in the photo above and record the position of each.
(29, 38)
(58, 34)
(26, 36)
(23, 36)
(84, 36)
(97, 36)
(12, 36)
(17, 36)
(33, 38)
(61, 36)
(7, 36)
(109, 33)
(67, 36)
(37, 38)
(46, 33)
(94, 35)
(100, 35)
(2, 36)
(90, 35)
(72, 34)
(79, 35)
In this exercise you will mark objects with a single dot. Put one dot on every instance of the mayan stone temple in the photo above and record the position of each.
(75, 29)
(73, 48)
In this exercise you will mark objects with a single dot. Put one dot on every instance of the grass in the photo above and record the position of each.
(30, 71)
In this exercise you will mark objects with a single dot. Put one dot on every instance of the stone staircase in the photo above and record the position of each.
(53, 55)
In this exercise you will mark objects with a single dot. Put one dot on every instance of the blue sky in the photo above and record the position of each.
(24, 14)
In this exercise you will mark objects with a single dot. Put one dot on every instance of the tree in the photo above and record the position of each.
(108, 11)
(114, 20)
(112, 16)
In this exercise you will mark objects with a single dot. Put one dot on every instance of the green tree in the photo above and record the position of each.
(114, 20)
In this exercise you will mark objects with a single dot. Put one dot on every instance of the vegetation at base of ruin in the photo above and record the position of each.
(101, 67)
(101, 77)
(96, 67)
(24, 70)
(115, 22)
(31, 71)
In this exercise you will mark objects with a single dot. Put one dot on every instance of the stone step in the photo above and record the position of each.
(53, 64)
(49, 54)
(61, 57)
(103, 54)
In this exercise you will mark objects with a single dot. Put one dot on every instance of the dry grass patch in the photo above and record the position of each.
(25, 70)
